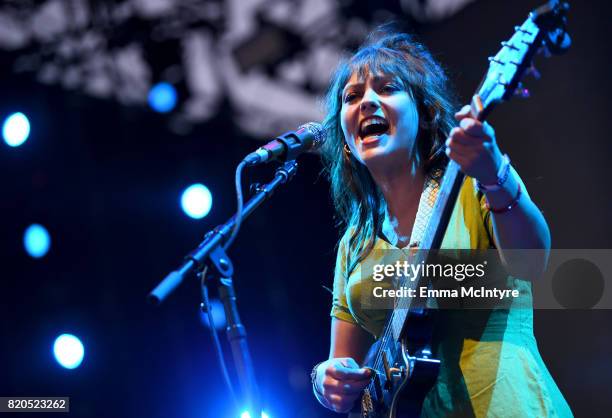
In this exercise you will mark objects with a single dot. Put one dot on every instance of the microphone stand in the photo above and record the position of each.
(210, 253)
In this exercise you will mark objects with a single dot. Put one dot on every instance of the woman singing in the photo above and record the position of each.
(391, 130)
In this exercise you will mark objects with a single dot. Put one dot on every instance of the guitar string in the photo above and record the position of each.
(401, 304)
(391, 324)
(387, 332)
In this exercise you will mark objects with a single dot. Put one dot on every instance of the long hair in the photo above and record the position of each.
(358, 201)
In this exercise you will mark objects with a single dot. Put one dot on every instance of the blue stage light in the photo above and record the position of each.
(36, 240)
(16, 129)
(196, 201)
(68, 351)
(162, 97)
(247, 414)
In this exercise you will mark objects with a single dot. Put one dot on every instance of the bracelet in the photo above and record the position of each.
(502, 176)
(313, 378)
(509, 206)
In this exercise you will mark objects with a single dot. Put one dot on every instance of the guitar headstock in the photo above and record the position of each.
(544, 31)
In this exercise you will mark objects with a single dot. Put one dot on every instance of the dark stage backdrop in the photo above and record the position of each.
(106, 180)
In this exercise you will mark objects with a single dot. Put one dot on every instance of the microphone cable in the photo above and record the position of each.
(239, 205)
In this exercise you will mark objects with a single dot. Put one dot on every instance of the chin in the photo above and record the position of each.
(384, 157)
(376, 155)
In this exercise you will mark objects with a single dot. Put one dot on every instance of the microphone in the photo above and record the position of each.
(308, 137)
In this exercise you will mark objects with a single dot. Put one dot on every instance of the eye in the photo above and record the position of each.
(350, 96)
(390, 88)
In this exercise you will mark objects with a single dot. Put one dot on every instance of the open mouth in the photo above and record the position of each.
(374, 126)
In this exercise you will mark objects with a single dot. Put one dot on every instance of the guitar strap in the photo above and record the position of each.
(426, 205)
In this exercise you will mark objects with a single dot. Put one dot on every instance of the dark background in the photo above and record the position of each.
(105, 180)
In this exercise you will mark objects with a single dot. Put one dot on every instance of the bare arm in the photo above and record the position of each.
(348, 340)
(519, 229)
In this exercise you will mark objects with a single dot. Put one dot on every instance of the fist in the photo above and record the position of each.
(472, 145)
(340, 382)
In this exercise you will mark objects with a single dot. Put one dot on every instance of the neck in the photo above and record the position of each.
(401, 186)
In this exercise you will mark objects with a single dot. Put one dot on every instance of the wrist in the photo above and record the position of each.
(509, 205)
(502, 175)
(507, 197)
(315, 387)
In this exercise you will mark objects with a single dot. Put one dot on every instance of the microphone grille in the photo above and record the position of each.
(318, 133)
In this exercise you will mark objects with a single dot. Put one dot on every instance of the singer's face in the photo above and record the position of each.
(379, 119)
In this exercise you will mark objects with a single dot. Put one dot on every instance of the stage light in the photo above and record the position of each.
(68, 351)
(162, 97)
(196, 201)
(247, 414)
(16, 129)
(36, 240)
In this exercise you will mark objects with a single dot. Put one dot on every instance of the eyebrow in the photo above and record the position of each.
(377, 78)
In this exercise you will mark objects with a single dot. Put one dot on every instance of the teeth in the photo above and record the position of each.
(373, 121)
(363, 130)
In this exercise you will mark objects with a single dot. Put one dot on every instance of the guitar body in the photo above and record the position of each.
(404, 372)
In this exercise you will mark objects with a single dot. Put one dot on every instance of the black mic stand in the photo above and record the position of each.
(211, 254)
(219, 272)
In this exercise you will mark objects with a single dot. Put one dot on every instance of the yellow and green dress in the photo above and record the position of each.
(490, 364)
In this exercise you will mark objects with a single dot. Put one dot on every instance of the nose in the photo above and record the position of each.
(369, 100)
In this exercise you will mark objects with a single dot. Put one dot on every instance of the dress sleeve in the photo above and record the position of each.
(340, 307)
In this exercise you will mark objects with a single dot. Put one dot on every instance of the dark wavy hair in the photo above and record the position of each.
(358, 201)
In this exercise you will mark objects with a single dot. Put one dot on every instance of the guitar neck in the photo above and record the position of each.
(448, 192)
(434, 233)
(443, 208)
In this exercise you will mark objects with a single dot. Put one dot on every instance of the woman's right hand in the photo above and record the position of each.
(339, 382)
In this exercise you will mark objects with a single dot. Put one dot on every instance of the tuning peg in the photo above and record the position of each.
(520, 29)
(509, 45)
(521, 92)
(533, 71)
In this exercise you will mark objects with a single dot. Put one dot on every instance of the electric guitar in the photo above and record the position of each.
(404, 369)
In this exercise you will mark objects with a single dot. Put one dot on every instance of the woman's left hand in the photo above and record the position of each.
(472, 145)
